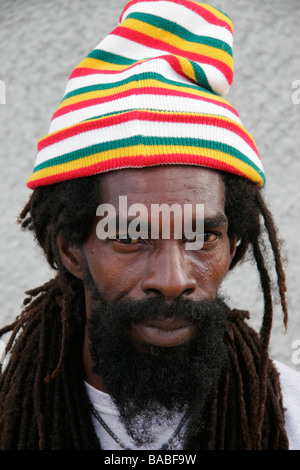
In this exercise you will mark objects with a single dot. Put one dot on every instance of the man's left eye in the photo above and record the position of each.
(210, 237)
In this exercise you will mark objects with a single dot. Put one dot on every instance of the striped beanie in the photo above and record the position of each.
(151, 93)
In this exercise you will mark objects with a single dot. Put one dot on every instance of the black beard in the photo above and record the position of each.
(149, 384)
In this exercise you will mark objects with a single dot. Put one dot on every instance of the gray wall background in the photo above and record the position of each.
(41, 42)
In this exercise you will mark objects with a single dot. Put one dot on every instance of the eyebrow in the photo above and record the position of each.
(217, 220)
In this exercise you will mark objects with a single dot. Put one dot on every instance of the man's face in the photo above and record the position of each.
(162, 268)
(154, 336)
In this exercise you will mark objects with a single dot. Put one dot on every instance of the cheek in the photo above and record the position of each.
(210, 271)
(113, 274)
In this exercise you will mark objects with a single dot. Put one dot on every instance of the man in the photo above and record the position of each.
(131, 345)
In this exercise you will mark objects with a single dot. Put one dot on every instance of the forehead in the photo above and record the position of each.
(165, 184)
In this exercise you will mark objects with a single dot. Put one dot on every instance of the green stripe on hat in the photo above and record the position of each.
(110, 58)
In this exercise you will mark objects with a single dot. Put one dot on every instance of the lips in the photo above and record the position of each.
(164, 332)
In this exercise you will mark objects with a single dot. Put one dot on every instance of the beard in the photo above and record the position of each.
(150, 383)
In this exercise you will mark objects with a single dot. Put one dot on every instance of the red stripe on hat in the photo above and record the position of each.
(140, 91)
(196, 8)
(85, 71)
(160, 45)
(136, 162)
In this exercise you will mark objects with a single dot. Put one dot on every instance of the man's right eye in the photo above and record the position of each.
(125, 240)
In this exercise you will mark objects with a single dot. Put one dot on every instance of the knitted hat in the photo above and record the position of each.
(151, 93)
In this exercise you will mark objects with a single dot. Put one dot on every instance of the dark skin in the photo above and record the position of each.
(137, 269)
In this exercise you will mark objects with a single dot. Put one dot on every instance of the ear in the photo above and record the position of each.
(72, 258)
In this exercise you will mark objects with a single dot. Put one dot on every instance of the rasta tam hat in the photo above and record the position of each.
(151, 93)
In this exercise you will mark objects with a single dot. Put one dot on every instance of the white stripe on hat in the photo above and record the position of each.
(155, 102)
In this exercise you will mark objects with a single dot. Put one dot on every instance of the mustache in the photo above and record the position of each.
(122, 313)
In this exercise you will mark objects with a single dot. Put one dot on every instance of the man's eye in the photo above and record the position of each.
(127, 240)
(208, 237)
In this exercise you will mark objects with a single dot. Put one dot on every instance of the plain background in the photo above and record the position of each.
(41, 43)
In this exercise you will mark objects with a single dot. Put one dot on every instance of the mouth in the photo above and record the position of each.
(164, 332)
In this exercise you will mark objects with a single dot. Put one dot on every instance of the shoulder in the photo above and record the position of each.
(290, 386)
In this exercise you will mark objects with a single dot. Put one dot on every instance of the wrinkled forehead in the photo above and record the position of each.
(169, 184)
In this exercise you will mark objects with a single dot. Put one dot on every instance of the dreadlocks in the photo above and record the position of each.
(43, 402)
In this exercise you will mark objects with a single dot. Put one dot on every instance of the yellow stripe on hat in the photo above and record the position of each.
(217, 13)
(98, 64)
(187, 67)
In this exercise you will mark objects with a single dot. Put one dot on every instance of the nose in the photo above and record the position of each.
(168, 272)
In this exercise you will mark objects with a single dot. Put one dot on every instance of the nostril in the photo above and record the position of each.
(168, 287)
(188, 291)
(153, 292)
(167, 295)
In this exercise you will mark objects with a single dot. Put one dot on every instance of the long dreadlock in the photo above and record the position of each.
(43, 402)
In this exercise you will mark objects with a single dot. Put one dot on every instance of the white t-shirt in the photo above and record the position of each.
(290, 386)
(104, 406)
